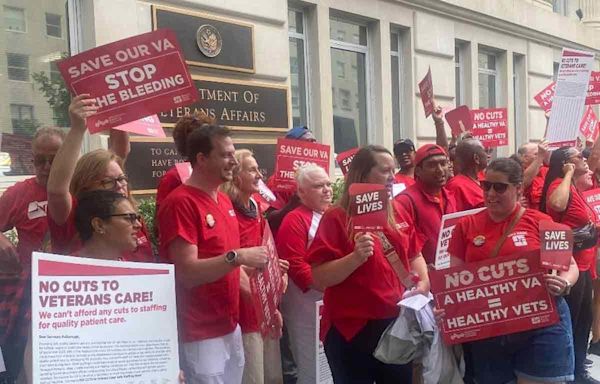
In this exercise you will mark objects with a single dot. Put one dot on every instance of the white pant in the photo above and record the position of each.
(263, 360)
(215, 361)
(299, 313)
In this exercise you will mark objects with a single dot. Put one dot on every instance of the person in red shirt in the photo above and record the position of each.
(23, 207)
(543, 355)
(532, 157)
(362, 288)
(404, 152)
(260, 366)
(427, 200)
(470, 160)
(199, 233)
(294, 237)
(564, 203)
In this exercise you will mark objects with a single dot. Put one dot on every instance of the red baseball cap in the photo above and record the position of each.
(428, 150)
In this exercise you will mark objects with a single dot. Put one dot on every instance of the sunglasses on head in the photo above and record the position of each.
(498, 187)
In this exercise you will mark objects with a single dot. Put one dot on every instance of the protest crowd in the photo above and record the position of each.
(359, 251)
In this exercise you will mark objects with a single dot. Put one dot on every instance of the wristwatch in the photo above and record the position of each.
(567, 289)
(231, 257)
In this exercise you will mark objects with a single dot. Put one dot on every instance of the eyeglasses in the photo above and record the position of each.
(498, 187)
(111, 182)
(41, 160)
(131, 217)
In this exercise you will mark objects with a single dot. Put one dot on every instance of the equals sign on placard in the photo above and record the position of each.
(494, 303)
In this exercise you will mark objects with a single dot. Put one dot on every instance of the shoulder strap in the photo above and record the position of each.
(508, 229)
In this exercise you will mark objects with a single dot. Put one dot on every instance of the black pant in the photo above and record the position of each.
(353, 362)
(580, 306)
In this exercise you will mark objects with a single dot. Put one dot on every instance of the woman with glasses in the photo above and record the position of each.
(562, 200)
(505, 228)
(70, 178)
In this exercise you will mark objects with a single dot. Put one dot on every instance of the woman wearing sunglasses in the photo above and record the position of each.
(562, 200)
(505, 228)
(97, 170)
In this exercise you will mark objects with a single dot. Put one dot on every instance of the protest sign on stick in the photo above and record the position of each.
(101, 321)
(449, 221)
(368, 206)
(490, 126)
(493, 297)
(556, 245)
(292, 154)
(345, 158)
(460, 120)
(131, 78)
(426, 91)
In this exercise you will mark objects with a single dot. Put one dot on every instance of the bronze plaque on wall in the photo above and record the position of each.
(240, 105)
(151, 158)
(209, 41)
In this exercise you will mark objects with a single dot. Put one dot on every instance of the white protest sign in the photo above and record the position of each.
(449, 221)
(100, 321)
(322, 367)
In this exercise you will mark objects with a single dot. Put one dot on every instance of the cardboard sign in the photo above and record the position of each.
(147, 126)
(266, 285)
(589, 124)
(493, 297)
(460, 120)
(556, 245)
(131, 78)
(100, 321)
(291, 155)
(449, 221)
(323, 371)
(426, 91)
(490, 126)
(345, 158)
(544, 98)
(368, 206)
(592, 198)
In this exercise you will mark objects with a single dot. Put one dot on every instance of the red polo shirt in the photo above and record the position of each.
(399, 178)
(577, 214)
(208, 310)
(371, 292)
(467, 192)
(294, 236)
(426, 212)
(251, 231)
(475, 236)
(533, 193)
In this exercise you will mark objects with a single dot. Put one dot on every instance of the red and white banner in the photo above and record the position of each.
(459, 119)
(266, 285)
(345, 158)
(291, 155)
(449, 221)
(556, 247)
(147, 126)
(589, 124)
(490, 126)
(101, 321)
(544, 98)
(131, 78)
(426, 91)
(592, 198)
(493, 297)
(368, 206)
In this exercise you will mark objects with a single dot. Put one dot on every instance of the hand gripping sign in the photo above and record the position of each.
(292, 154)
(131, 78)
(345, 158)
(368, 206)
(493, 297)
(556, 245)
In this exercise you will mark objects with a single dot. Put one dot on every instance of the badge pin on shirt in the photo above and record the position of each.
(210, 220)
(478, 241)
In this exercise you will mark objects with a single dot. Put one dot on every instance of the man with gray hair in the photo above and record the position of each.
(470, 159)
(295, 235)
(532, 157)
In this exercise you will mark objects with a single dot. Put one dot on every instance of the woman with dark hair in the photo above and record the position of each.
(564, 203)
(358, 272)
(543, 355)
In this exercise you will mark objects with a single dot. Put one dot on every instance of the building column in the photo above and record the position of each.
(591, 13)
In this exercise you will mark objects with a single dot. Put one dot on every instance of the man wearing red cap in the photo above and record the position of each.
(427, 200)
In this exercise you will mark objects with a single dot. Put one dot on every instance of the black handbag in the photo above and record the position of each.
(585, 237)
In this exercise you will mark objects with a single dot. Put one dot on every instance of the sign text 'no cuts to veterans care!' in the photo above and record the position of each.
(293, 154)
(131, 78)
(99, 321)
(493, 297)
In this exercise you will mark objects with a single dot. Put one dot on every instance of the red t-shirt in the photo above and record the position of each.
(481, 229)
(282, 197)
(577, 214)
(371, 291)
(294, 236)
(166, 185)
(207, 310)
(23, 207)
(65, 239)
(467, 192)
(251, 231)
(426, 213)
(399, 178)
(533, 193)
